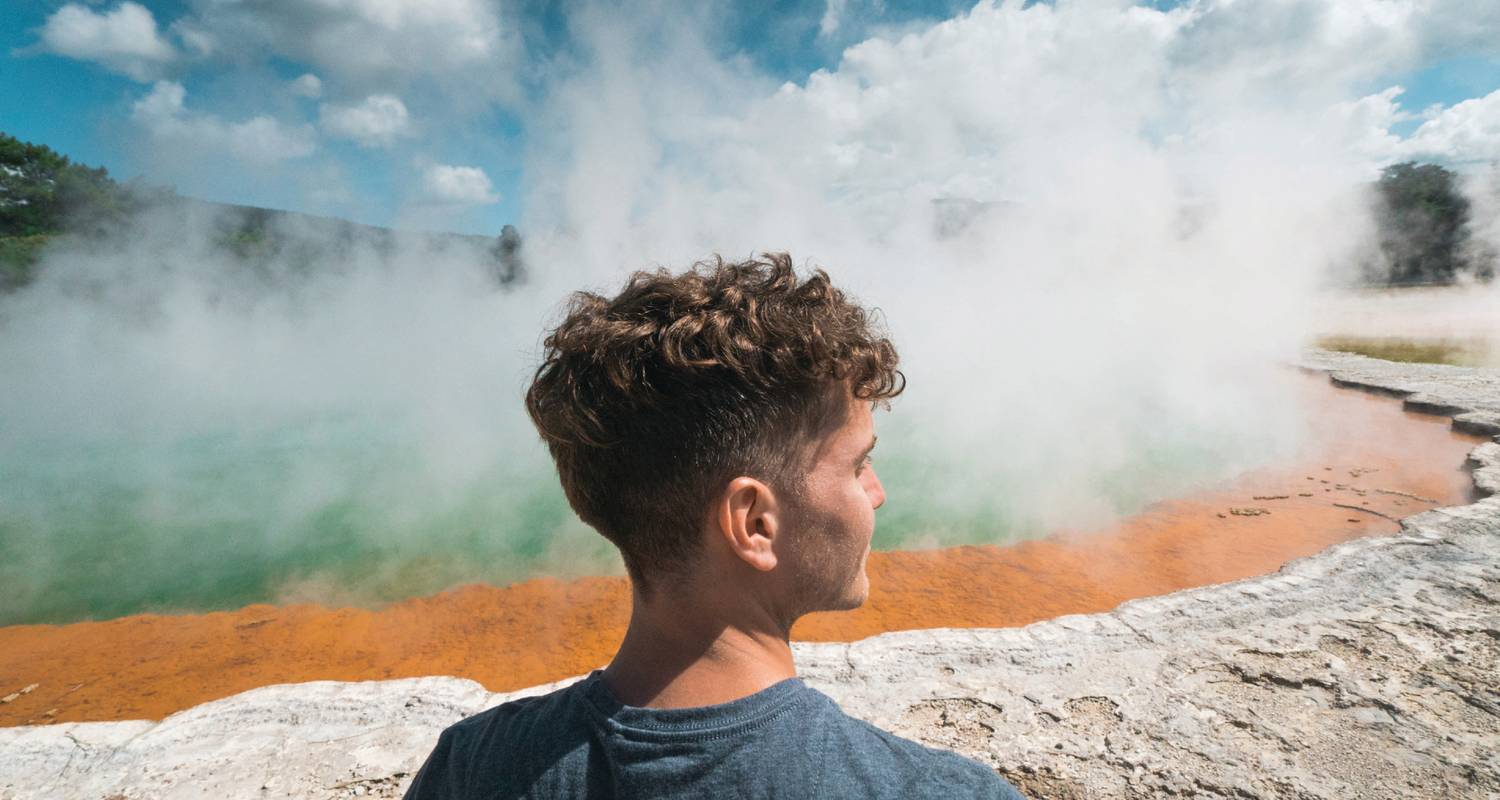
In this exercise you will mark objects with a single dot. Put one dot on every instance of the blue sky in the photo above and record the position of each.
(83, 109)
(439, 136)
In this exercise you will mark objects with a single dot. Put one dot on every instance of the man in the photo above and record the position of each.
(716, 427)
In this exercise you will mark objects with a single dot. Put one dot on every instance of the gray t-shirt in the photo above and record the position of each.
(786, 741)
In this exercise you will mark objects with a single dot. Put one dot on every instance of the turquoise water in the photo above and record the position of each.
(330, 512)
(345, 510)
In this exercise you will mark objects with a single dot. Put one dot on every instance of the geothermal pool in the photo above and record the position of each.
(1365, 464)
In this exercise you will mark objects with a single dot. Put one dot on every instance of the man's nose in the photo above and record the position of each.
(875, 490)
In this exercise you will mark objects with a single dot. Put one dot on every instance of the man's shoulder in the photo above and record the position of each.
(501, 722)
(895, 761)
(503, 746)
(523, 712)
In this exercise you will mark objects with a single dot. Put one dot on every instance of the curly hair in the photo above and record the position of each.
(652, 401)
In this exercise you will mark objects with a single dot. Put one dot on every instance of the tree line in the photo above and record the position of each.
(1423, 220)
(44, 194)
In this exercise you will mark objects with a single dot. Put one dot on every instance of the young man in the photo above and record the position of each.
(716, 427)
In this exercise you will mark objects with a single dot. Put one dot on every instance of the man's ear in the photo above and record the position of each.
(747, 517)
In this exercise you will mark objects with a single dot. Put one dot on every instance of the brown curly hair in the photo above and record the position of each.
(652, 401)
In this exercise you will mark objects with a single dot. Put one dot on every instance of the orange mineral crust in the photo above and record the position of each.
(1368, 464)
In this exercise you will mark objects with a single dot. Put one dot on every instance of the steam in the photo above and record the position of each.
(1091, 261)
(1094, 232)
(342, 423)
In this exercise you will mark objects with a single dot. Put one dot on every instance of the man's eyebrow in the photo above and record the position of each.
(863, 455)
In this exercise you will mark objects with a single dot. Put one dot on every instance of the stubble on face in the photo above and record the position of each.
(833, 521)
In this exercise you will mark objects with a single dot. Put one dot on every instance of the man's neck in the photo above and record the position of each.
(682, 652)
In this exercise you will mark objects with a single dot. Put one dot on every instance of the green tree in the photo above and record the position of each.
(1423, 225)
(41, 190)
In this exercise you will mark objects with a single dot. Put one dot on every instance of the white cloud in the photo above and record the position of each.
(1464, 133)
(851, 20)
(199, 42)
(374, 45)
(833, 15)
(1322, 47)
(1365, 125)
(124, 40)
(378, 121)
(260, 140)
(454, 185)
(307, 85)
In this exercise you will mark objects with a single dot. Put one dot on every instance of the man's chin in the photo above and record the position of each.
(848, 603)
(856, 596)
(852, 596)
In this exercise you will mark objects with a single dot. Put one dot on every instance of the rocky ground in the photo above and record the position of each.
(1369, 670)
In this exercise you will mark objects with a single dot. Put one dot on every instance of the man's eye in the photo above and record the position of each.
(862, 464)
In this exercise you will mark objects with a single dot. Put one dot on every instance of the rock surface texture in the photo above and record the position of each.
(1370, 670)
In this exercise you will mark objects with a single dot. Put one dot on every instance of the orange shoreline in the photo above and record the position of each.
(1370, 457)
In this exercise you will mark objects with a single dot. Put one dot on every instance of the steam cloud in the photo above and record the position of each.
(1095, 231)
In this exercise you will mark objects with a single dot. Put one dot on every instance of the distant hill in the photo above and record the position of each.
(46, 198)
